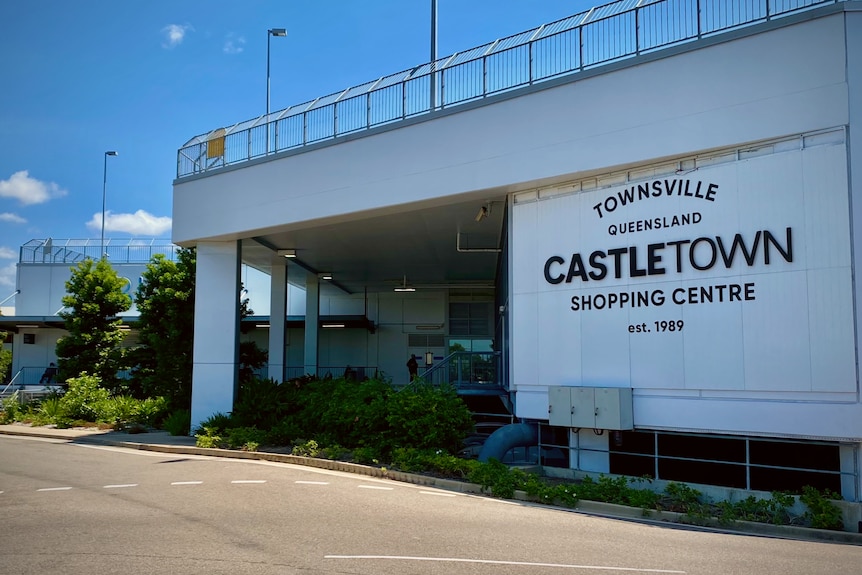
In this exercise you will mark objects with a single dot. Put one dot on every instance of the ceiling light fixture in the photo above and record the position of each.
(287, 253)
(325, 276)
(332, 325)
(404, 287)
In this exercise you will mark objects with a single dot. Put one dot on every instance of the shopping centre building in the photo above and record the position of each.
(639, 224)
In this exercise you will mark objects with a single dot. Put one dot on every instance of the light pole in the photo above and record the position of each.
(281, 33)
(104, 196)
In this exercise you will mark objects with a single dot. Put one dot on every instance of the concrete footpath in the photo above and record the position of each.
(162, 441)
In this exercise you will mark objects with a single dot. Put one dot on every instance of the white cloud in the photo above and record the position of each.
(174, 34)
(234, 44)
(140, 223)
(7, 253)
(12, 218)
(29, 190)
(7, 276)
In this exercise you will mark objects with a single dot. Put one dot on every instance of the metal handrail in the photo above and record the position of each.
(590, 39)
(11, 382)
(441, 372)
(70, 251)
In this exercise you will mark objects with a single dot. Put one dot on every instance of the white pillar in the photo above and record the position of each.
(277, 316)
(312, 317)
(216, 345)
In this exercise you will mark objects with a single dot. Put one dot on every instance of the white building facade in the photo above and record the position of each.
(648, 212)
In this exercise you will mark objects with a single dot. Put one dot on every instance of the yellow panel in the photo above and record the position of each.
(215, 144)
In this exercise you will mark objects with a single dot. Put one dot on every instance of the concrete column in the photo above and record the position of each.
(277, 316)
(216, 345)
(312, 323)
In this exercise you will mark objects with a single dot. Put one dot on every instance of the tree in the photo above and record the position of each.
(165, 300)
(94, 294)
(251, 356)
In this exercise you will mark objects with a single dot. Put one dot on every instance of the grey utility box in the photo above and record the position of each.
(591, 407)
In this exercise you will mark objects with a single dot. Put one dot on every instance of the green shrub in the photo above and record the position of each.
(245, 438)
(218, 422)
(284, 432)
(261, 403)
(306, 448)
(337, 411)
(821, 512)
(497, 478)
(178, 423)
(684, 499)
(82, 399)
(335, 453)
(151, 411)
(366, 456)
(10, 409)
(209, 438)
(435, 461)
(50, 410)
(775, 510)
(119, 410)
(428, 417)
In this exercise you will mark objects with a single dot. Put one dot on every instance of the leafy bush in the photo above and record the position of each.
(82, 398)
(306, 448)
(434, 461)
(151, 410)
(218, 422)
(428, 417)
(821, 512)
(178, 423)
(245, 438)
(775, 510)
(209, 438)
(10, 409)
(366, 455)
(343, 412)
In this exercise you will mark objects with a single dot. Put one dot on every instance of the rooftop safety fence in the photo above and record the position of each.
(128, 251)
(596, 37)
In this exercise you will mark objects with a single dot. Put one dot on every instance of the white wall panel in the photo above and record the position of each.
(775, 334)
(525, 356)
(832, 337)
(782, 326)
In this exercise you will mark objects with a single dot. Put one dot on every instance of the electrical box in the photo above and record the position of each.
(591, 407)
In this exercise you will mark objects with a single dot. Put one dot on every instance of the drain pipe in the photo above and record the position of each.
(507, 437)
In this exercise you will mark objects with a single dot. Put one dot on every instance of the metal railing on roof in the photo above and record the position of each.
(599, 36)
(127, 251)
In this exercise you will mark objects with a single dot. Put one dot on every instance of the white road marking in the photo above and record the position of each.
(186, 482)
(438, 494)
(119, 485)
(312, 482)
(375, 487)
(492, 562)
(249, 481)
(54, 489)
(499, 501)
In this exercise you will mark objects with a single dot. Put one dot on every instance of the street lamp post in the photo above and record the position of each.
(104, 196)
(281, 33)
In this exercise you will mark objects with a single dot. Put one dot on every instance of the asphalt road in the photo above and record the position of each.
(75, 509)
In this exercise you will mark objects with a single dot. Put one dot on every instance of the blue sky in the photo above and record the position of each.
(142, 78)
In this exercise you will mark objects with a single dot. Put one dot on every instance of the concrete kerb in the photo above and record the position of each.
(165, 443)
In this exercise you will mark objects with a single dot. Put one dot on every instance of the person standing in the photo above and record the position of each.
(412, 366)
